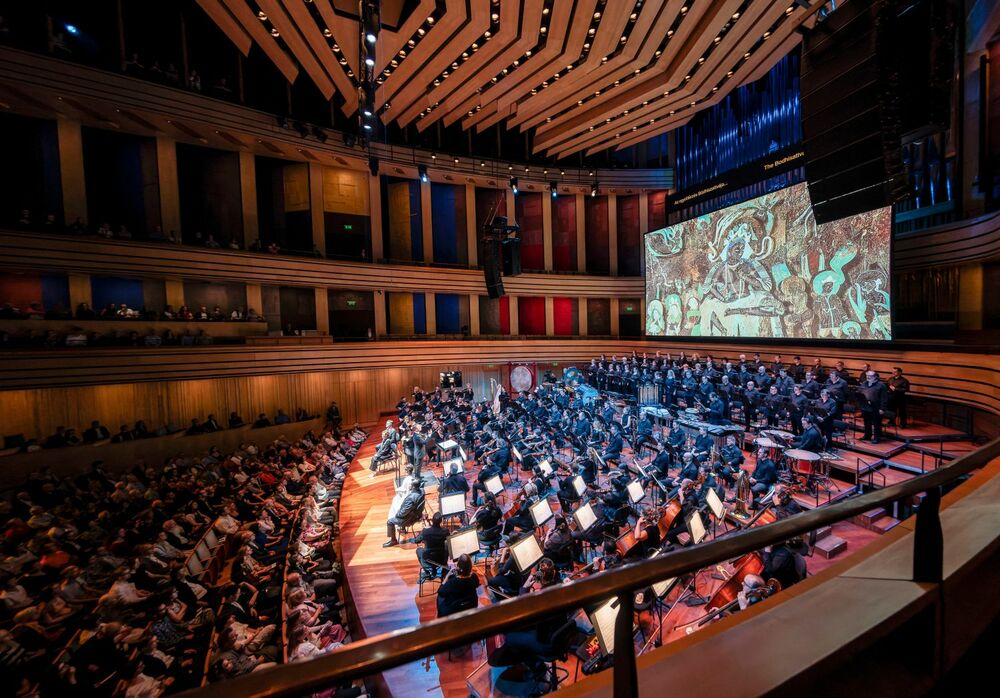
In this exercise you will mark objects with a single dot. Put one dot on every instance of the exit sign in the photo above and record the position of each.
(348, 227)
(351, 304)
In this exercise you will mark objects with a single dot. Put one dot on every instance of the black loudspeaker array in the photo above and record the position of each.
(492, 266)
(511, 257)
(850, 110)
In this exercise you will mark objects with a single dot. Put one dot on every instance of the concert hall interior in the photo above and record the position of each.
(499, 348)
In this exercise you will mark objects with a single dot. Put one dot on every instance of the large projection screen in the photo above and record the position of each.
(764, 268)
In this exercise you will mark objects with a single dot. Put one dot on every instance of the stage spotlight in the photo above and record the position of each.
(594, 188)
(513, 184)
(371, 37)
(554, 188)
(368, 127)
(72, 29)
(422, 171)
(373, 165)
(301, 128)
(350, 140)
(282, 121)
(319, 133)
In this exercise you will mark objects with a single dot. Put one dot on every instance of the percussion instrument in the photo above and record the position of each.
(767, 448)
(782, 437)
(805, 462)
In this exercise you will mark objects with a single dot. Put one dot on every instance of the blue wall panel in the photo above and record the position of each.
(446, 307)
(445, 224)
(110, 289)
(419, 313)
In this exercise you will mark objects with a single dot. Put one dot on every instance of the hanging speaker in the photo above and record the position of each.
(492, 267)
(511, 256)
(850, 111)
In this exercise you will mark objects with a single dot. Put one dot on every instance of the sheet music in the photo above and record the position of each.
(517, 454)
(585, 517)
(464, 542)
(453, 463)
(541, 512)
(453, 503)
(447, 445)
(715, 505)
(526, 553)
(545, 467)
(696, 527)
(635, 491)
(494, 485)
(661, 588)
(603, 619)
(461, 452)
(579, 486)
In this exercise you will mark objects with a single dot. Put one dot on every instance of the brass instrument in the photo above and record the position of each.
(743, 497)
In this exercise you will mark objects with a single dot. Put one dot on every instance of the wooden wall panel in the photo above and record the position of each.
(71, 387)
(345, 191)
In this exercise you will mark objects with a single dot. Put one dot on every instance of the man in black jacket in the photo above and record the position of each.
(765, 476)
(97, 432)
(875, 398)
(433, 538)
(410, 511)
(455, 482)
(899, 386)
(811, 439)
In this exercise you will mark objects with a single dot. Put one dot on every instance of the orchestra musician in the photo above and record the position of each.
(703, 444)
(486, 519)
(764, 477)
(784, 505)
(689, 469)
(785, 563)
(460, 589)
(559, 545)
(646, 533)
(454, 482)
(899, 386)
(689, 504)
(810, 388)
(415, 447)
(810, 438)
(544, 575)
(613, 451)
(774, 406)
(433, 556)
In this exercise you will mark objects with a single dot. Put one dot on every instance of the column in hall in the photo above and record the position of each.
(472, 235)
(166, 177)
(79, 291)
(430, 310)
(248, 199)
(322, 310)
(255, 298)
(613, 234)
(474, 315)
(581, 234)
(71, 175)
(174, 289)
(515, 328)
(316, 214)
(615, 332)
(550, 317)
(427, 223)
(581, 314)
(379, 305)
(375, 213)
(643, 229)
(547, 231)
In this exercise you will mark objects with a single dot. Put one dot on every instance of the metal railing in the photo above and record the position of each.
(389, 650)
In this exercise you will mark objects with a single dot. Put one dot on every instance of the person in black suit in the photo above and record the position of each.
(433, 539)
(899, 386)
(410, 511)
(811, 439)
(460, 589)
(765, 476)
(416, 448)
(613, 451)
(784, 563)
(875, 398)
(455, 482)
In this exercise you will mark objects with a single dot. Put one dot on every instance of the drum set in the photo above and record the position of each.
(809, 470)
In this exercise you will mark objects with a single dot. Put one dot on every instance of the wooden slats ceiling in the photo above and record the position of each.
(585, 74)
(36, 252)
(969, 379)
(47, 88)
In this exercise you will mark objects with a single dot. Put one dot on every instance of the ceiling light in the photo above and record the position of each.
(371, 37)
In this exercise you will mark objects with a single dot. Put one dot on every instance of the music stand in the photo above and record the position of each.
(526, 553)
(447, 465)
(585, 517)
(494, 486)
(579, 486)
(452, 504)
(696, 528)
(636, 492)
(517, 454)
(461, 452)
(541, 512)
(445, 447)
(717, 509)
(603, 617)
(660, 590)
(461, 542)
(546, 467)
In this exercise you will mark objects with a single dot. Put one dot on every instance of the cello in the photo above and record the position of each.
(751, 563)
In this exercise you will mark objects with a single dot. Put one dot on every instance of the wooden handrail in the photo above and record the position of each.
(389, 650)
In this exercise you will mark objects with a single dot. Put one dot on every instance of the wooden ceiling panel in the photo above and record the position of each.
(583, 109)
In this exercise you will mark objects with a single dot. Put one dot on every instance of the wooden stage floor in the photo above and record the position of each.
(385, 592)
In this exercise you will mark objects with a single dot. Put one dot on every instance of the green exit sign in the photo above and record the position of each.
(628, 308)
(348, 227)
(351, 304)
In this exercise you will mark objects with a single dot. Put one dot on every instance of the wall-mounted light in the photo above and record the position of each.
(513, 184)
(554, 188)
(594, 188)
(422, 171)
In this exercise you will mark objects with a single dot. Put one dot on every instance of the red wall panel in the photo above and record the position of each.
(565, 315)
(564, 233)
(596, 214)
(529, 217)
(531, 315)
(629, 239)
